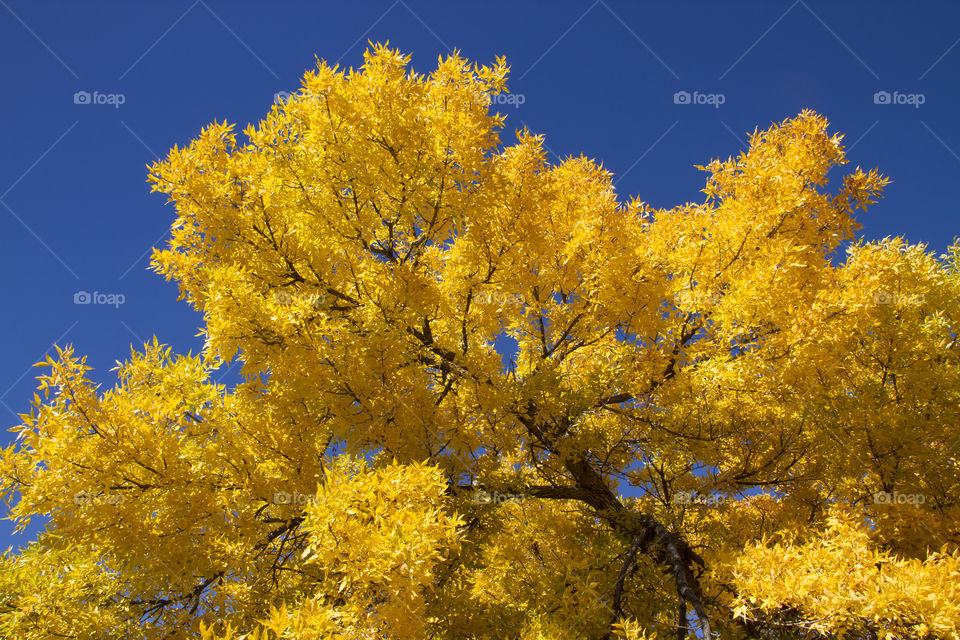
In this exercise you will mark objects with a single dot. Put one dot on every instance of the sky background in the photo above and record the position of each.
(602, 78)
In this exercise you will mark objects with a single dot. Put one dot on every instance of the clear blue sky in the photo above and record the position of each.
(600, 78)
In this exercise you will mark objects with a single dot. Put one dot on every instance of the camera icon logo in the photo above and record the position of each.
(681, 97)
(81, 97)
(882, 297)
(282, 497)
(82, 297)
(881, 97)
(282, 297)
(281, 96)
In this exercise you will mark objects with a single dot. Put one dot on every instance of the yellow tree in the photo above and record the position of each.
(713, 423)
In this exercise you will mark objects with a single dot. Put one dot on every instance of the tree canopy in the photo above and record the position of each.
(486, 397)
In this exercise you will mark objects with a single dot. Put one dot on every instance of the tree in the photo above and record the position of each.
(713, 422)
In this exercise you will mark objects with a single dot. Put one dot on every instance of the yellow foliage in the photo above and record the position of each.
(839, 577)
(735, 415)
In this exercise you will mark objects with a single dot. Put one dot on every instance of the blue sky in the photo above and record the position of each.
(94, 91)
